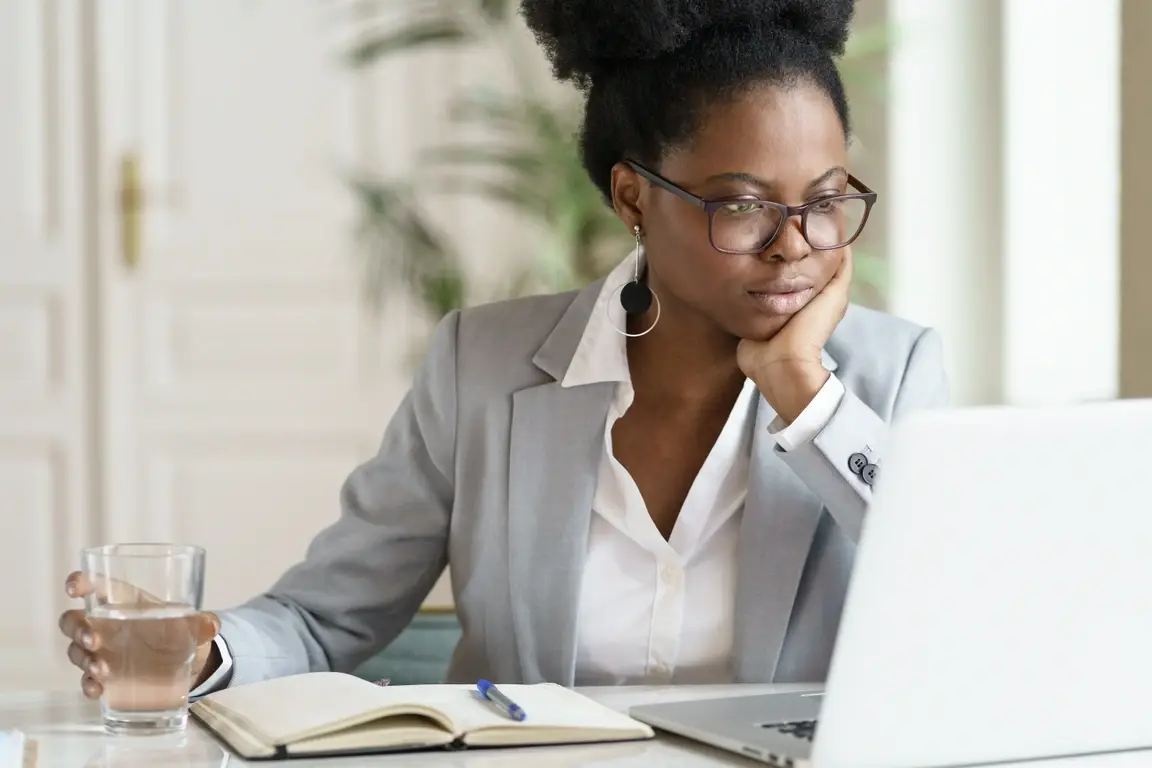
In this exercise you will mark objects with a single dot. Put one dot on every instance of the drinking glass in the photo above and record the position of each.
(144, 600)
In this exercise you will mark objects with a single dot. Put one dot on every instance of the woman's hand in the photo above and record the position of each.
(87, 643)
(787, 368)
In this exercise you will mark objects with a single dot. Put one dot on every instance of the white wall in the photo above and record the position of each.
(943, 159)
(1061, 204)
(1005, 204)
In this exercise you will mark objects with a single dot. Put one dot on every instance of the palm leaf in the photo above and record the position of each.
(420, 33)
(442, 292)
(512, 192)
(864, 45)
(867, 42)
(402, 248)
(488, 107)
(870, 276)
(495, 10)
(518, 161)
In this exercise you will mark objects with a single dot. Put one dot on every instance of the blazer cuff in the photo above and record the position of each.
(268, 639)
(812, 419)
(842, 461)
(253, 658)
(221, 677)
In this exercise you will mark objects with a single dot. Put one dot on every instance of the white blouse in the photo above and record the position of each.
(655, 611)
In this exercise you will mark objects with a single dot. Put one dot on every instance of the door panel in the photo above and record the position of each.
(44, 418)
(244, 378)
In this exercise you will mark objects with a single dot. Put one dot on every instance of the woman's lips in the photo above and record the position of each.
(783, 296)
(782, 303)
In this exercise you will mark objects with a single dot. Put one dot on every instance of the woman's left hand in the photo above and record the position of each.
(788, 368)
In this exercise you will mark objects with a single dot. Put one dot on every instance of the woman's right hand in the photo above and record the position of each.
(86, 643)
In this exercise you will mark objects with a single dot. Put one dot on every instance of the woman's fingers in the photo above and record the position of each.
(88, 663)
(74, 625)
(76, 628)
(108, 589)
(77, 585)
(842, 279)
(80, 657)
(207, 627)
(92, 689)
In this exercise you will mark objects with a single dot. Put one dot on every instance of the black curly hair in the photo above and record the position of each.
(649, 68)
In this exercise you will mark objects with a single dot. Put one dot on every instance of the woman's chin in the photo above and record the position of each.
(760, 327)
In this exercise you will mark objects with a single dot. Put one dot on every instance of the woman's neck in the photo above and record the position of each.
(685, 359)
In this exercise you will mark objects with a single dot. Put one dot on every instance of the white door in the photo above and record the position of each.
(44, 415)
(242, 380)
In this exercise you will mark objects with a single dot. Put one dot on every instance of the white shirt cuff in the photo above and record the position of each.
(812, 419)
(219, 678)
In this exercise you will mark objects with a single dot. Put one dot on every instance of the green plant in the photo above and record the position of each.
(529, 161)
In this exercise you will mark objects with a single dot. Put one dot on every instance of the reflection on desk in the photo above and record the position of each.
(68, 730)
(147, 752)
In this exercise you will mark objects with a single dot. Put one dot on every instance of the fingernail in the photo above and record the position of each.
(88, 640)
(71, 591)
(96, 669)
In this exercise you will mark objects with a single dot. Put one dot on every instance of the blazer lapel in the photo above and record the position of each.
(780, 519)
(557, 438)
(556, 442)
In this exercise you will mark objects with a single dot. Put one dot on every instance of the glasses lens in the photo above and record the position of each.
(744, 227)
(835, 221)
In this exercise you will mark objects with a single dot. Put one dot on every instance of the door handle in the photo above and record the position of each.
(131, 210)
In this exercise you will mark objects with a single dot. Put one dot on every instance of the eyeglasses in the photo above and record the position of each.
(746, 226)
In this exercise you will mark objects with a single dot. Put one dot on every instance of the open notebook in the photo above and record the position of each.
(331, 713)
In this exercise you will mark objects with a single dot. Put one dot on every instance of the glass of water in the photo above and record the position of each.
(143, 606)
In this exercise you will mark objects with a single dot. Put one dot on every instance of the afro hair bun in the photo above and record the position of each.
(585, 39)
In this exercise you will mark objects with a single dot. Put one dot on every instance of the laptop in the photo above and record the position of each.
(1000, 606)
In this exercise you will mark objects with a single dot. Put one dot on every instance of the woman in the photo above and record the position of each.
(662, 477)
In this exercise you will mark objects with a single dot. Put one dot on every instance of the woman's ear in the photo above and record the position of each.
(627, 195)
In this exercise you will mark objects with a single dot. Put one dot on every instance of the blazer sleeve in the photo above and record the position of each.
(365, 576)
(823, 463)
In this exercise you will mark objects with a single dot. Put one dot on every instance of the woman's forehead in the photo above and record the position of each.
(780, 134)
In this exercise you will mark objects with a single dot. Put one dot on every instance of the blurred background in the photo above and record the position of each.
(227, 227)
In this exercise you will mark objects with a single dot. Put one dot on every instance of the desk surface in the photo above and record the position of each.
(68, 730)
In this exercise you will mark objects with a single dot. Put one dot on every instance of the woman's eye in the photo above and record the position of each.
(825, 206)
(742, 208)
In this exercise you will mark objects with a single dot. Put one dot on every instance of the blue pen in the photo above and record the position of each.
(492, 693)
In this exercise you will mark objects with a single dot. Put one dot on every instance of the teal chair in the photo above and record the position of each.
(420, 654)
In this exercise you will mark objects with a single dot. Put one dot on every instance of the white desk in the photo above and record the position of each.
(68, 730)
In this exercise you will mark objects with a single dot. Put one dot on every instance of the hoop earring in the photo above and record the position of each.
(635, 296)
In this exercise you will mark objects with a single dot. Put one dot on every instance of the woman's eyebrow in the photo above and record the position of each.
(749, 178)
(828, 174)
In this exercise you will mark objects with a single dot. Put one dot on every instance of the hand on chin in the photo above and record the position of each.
(787, 365)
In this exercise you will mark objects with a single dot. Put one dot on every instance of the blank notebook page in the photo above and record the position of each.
(546, 706)
(286, 706)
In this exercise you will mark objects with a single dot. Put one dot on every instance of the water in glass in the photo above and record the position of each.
(143, 608)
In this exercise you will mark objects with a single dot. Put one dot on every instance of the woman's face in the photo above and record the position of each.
(785, 145)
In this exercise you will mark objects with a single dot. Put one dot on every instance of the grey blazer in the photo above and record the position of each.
(490, 465)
